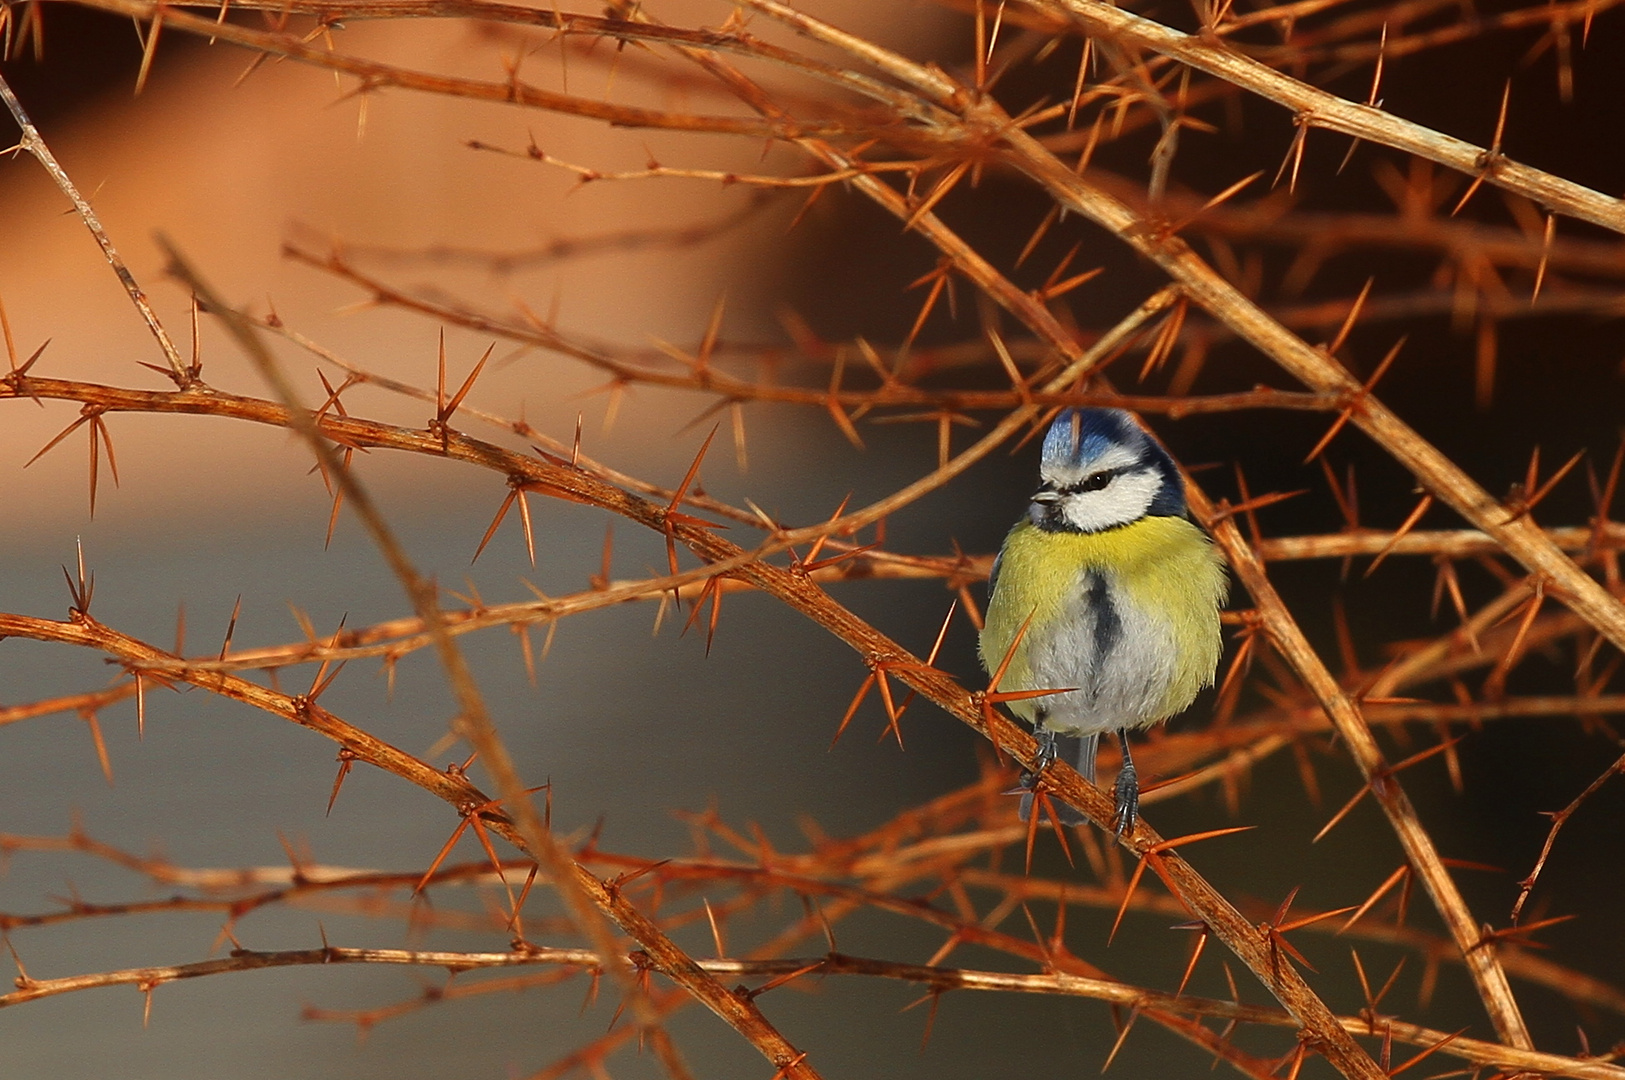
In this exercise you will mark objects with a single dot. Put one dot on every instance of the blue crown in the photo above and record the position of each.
(1080, 436)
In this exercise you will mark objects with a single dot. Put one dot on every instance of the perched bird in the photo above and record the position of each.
(1119, 592)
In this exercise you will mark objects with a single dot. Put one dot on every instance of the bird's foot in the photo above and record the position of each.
(1047, 751)
(1027, 787)
(1128, 798)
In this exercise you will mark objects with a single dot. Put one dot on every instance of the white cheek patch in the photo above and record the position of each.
(1113, 458)
(1125, 499)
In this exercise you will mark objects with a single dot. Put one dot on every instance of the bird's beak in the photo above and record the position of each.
(1043, 504)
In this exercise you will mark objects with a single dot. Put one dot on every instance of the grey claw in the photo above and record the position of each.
(1128, 799)
(1046, 751)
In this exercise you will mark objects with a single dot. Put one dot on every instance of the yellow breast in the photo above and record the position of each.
(1164, 566)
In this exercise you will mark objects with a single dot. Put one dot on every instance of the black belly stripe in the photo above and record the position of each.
(1108, 624)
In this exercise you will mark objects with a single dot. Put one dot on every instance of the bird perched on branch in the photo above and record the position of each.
(1105, 591)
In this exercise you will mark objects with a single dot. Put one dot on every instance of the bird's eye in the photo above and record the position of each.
(1096, 481)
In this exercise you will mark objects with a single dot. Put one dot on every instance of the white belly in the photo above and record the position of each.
(1119, 657)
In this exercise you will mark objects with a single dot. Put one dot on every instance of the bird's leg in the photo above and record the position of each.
(1046, 751)
(1046, 748)
(1042, 760)
(1128, 788)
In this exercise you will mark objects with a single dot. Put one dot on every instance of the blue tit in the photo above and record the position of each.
(1119, 592)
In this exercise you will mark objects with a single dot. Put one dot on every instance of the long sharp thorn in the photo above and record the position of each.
(1351, 318)
(1038, 234)
(716, 615)
(428, 874)
(440, 378)
(979, 49)
(852, 709)
(1541, 493)
(823, 537)
(1128, 894)
(939, 281)
(1356, 400)
(1492, 156)
(317, 684)
(942, 634)
(1531, 609)
(1365, 984)
(1545, 257)
(708, 343)
(484, 837)
(332, 395)
(502, 512)
(100, 426)
(1429, 1051)
(101, 746)
(65, 432)
(1531, 476)
(1134, 1014)
(1388, 984)
(693, 471)
(1060, 833)
(338, 500)
(938, 193)
(94, 459)
(1365, 789)
(694, 612)
(1009, 654)
(1382, 368)
(1400, 533)
(1196, 954)
(884, 685)
(736, 417)
(196, 367)
(524, 893)
(1310, 920)
(1040, 807)
(1331, 433)
(231, 627)
(346, 761)
(524, 520)
(468, 384)
(993, 37)
(1230, 192)
(26, 364)
(149, 50)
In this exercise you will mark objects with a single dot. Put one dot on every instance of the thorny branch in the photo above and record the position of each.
(904, 135)
(938, 979)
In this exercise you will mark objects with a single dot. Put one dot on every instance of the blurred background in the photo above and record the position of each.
(629, 725)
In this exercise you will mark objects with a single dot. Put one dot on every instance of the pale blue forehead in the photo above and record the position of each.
(1098, 430)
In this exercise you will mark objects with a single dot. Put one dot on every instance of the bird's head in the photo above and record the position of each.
(1100, 470)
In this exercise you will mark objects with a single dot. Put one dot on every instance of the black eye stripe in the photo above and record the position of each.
(1093, 482)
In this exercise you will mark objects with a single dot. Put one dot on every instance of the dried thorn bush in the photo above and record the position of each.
(1146, 273)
